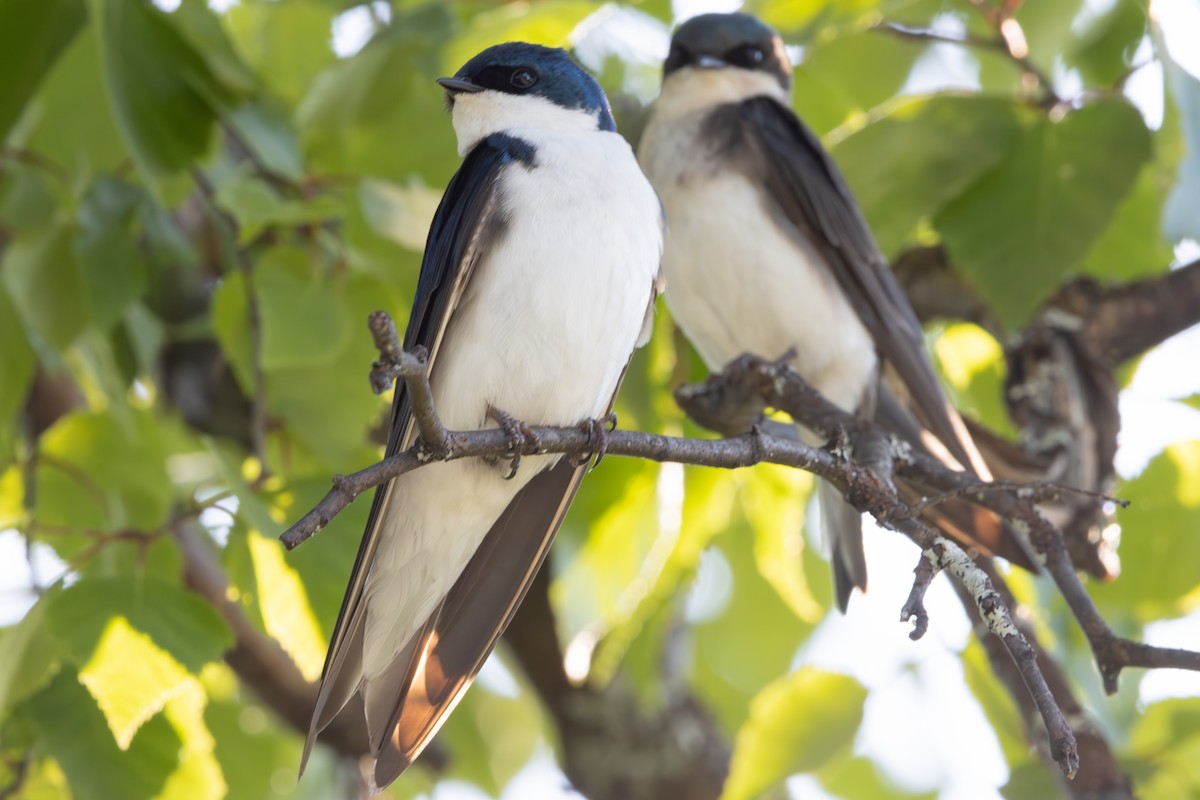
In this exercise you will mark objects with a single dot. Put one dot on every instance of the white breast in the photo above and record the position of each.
(736, 282)
(544, 332)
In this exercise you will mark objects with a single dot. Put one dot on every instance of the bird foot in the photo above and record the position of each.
(521, 438)
(597, 431)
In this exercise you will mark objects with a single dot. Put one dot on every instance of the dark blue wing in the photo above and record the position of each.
(468, 219)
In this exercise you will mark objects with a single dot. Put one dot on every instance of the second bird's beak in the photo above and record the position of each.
(459, 85)
(710, 62)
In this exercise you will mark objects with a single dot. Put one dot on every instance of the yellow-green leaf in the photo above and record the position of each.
(796, 724)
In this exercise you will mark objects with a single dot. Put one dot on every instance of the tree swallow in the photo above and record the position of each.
(767, 251)
(538, 281)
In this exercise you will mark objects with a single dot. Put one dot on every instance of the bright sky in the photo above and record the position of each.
(911, 683)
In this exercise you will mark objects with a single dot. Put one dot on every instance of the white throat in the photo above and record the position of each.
(479, 115)
(692, 89)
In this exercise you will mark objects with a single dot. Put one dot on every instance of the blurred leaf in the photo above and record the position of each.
(923, 153)
(163, 93)
(26, 658)
(287, 44)
(268, 132)
(1132, 245)
(1047, 28)
(1192, 401)
(72, 729)
(744, 636)
(358, 109)
(1104, 52)
(399, 213)
(842, 79)
(1166, 738)
(821, 20)
(19, 362)
(200, 28)
(175, 620)
(80, 486)
(672, 560)
(255, 206)
(131, 678)
(773, 498)
(1157, 538)
(491, 736)
(1029, 779)
(996, 703)
(549, 22)
(198, 775)
(75, 90)
(109, 257)
(285, 608)
(32, 35)
(860, 778)
(796, 724)
(360, 89)
(972, 362)
(1179, 215)
(46, 286)
(1028, 222)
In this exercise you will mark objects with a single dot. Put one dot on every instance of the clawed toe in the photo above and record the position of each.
(597, 431)
(521, 438)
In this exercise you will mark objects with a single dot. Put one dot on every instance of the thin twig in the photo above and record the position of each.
(1000, 43)
(944, 554)
(1040, 491)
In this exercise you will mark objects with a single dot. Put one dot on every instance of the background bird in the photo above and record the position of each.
(538, 281)
(767, 251)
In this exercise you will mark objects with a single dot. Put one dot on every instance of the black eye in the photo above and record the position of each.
(523, 78)
(749, 56)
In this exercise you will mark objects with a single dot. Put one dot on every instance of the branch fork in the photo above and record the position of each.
(733, 402)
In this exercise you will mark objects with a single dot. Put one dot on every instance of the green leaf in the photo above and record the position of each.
(1104, 51)
(80, 486)
(796, 724)
(32, 35)
(733, 659)
(72, 730)
(27, 656)
(175, 620)
(1158, 545)
(109, 257)
(773, 498)
(19, 362)
(131, 678)
(287, 44)
(1132, 245)
(1029, 222)
(842, 79)
(923, 153)
(861, 778)
(285, 608)
(549, 22)
(972, 362)
(163, 93)
(75, 90)
(46, 286)
(1166, 740)
(1179, 214)
(256, 206)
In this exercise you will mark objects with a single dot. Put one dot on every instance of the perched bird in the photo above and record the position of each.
(767, 251)
(538, 282)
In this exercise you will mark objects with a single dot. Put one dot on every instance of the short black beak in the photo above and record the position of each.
(459, 85)
(709, 62)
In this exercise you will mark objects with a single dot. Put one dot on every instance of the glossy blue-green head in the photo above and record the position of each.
(531, 70)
